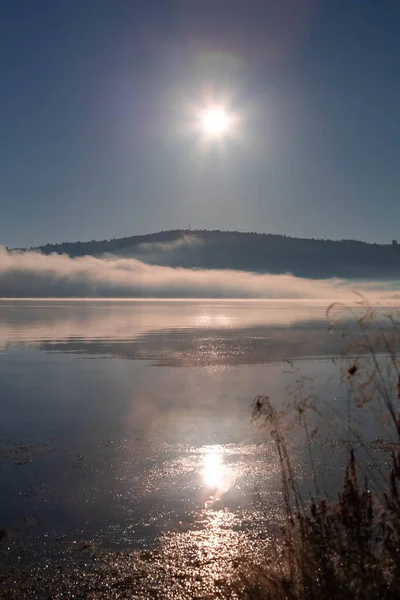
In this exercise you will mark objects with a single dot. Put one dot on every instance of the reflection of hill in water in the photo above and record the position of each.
(193, 347)
(249, 252)
(175, 333)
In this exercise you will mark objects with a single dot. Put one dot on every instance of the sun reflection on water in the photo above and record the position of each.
(215, 474)
(213, 469)
(213, 319)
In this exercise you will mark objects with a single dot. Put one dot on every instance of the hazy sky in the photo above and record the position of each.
(97, 102)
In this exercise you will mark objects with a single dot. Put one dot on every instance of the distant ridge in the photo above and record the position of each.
(256, 252)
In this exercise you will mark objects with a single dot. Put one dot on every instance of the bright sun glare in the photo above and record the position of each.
(212, 470)
(215, 121)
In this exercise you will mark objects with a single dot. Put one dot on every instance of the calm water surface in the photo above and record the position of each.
(129, 422)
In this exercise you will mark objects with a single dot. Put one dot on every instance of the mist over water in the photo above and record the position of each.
(32, 274)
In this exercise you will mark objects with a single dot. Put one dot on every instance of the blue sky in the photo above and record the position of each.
(94, 128)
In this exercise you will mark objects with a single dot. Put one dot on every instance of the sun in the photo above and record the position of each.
(215, 122)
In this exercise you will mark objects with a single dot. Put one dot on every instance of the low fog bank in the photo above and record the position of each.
(33, 274)
(240, 251)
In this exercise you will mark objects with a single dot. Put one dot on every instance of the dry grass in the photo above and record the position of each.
(348, 549)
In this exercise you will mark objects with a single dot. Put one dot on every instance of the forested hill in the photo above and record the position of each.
(248, 251)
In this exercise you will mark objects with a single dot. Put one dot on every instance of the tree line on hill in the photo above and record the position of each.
(256, 252)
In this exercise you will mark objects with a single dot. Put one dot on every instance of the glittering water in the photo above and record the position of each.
(128, 423)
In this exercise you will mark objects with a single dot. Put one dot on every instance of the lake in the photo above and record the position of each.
(128, 423)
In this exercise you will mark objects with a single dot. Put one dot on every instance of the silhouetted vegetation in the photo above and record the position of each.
(349, 548)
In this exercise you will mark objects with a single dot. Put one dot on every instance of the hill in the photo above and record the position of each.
(248, 252)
